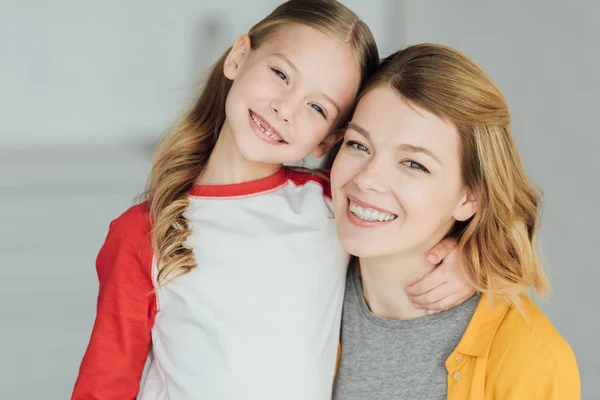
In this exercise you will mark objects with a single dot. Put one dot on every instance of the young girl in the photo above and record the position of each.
(429, 148)
(231, 271)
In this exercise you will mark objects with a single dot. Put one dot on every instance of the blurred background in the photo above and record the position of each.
(88, 86)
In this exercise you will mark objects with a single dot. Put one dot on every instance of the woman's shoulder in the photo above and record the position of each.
(529, 326)
(527, 343)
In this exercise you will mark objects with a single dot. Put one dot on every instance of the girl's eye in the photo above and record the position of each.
(318, 109)
(357, 146)
(415, 166)
(280, 74)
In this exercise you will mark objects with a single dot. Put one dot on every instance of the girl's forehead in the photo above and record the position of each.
(305, 41)
(316, 58)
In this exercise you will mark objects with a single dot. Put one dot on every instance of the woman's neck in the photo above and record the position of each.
(384, 280)
(226, 166)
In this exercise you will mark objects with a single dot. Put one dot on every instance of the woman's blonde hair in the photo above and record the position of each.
(496, 246)
(184, 151)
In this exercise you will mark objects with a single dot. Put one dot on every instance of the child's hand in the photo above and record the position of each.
(444, 287)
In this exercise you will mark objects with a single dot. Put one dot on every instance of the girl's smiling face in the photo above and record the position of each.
(288, 93)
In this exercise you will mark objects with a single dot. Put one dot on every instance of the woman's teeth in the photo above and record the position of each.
(370, 214)
(267, 131)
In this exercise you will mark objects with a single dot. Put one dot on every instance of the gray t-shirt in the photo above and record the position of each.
(384, 359)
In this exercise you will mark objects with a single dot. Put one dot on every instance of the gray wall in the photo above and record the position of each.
(87, 87)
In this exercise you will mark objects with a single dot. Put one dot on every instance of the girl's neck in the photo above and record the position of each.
(384, 280)
(226, 166)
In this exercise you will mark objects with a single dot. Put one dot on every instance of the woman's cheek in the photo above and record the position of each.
(348, 167)
(339, 169)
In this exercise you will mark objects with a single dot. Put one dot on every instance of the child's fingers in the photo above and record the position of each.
(433, 296)
(442, 305)
(441, 250)
(429, 282)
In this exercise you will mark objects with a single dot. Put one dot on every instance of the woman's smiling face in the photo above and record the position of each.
(396, 182)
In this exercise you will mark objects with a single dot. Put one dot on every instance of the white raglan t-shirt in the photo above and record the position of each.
(258, 318)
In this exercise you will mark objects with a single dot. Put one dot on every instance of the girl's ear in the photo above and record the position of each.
(236, 57)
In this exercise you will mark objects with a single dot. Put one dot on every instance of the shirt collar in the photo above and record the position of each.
(481, 330)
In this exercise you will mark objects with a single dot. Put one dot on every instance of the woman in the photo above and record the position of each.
(429, 154)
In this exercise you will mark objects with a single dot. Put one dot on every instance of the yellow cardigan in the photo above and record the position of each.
(506, 356)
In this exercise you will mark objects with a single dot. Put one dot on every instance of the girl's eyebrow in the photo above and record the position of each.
(335, 104)
(291, 64)
(287, 60)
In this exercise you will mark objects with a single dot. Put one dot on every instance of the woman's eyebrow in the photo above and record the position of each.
(355, 127)
(418, 149)
(403, 147)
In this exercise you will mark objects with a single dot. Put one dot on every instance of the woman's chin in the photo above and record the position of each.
(360, 249)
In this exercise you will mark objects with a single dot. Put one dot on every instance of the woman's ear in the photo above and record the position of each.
(466, 208)
(236, 57)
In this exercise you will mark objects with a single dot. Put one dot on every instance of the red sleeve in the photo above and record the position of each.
(321, 176)
(327, 182)
(114, 361)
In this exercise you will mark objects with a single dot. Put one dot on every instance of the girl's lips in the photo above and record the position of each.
(267, 126)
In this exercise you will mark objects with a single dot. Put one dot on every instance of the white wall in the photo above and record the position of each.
(83, 73)
(545, 56)
(87, 72)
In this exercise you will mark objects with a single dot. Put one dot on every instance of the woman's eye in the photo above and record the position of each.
(415, 166)
(357, 146)
(318, 109)
(280, 74)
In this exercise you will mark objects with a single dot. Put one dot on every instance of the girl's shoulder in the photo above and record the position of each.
(135, 220)
(127, 244)
(134, 226)
(301, 176)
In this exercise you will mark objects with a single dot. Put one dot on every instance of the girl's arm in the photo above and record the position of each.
(444, 287)
(114, 361)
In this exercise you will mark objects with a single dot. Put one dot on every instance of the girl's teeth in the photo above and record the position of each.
(370, 214)
(267, 131)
